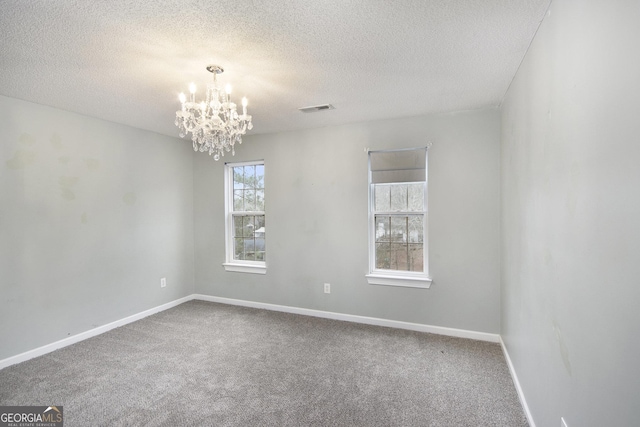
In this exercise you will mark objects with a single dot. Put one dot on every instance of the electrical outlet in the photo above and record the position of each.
(563, 423)
(163, 282)
(327, 288)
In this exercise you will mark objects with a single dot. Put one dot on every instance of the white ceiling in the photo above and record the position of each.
(126, 60)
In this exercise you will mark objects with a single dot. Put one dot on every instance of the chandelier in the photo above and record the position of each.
(214, 123)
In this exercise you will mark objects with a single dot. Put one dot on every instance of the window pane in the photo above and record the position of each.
(398, 197)
(238, 204)
(259, 255)
(416, 197)
(259, 236)
(398, 228)
(250, 177)
(238, 177)
(260, 200)
(249, 249)
(399, 257)
(259, 176)
(259, 223)
(416, 258)
(382, 256)
(249, 200)
(238, 248)
(382, 196)
(249, 226)
(416, 229)
(383, 228)
(237, 226)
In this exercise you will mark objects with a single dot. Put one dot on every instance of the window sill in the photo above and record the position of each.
(245, 268)
(392, 280)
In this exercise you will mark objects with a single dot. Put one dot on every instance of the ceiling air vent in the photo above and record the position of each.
(315, 108)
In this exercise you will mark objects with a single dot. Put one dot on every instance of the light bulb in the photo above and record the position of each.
(244, 101)
(182, 97)
(203, 106)
(228, 89)
(192, 88)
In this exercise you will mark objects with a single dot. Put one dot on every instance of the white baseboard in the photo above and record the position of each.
(516, 382)
(440, 330)
(88, 334)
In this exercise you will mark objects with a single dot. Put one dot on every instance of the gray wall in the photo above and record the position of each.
(92, 215)
(316, 216)
(571, 216)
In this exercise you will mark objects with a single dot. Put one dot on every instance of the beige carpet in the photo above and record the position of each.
(207, 364)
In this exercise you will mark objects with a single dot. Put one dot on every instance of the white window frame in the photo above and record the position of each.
(410, 279)
(231, 264)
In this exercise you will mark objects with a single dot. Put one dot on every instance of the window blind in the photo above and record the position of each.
(398, 166)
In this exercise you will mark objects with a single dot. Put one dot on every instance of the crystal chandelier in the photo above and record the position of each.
(214, 123)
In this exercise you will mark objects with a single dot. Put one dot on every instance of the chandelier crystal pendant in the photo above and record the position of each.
(214, 123)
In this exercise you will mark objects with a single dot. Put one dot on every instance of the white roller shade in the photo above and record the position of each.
(398, 166)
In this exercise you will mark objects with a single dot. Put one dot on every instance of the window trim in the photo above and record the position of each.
(245, 268)
(397, 277)
(231, 264)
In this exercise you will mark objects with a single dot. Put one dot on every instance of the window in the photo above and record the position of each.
(245, 218)
(398, 250)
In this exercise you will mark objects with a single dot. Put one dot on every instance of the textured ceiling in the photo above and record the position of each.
(126, 60)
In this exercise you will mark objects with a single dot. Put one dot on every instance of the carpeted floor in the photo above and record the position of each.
(207, 364)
